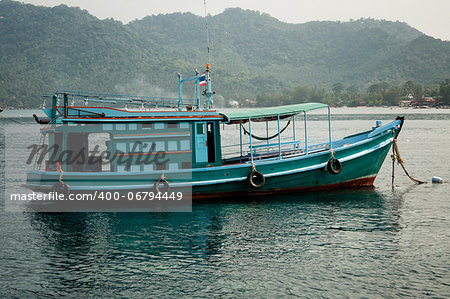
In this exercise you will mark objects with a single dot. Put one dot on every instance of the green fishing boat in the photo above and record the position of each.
(177, 144)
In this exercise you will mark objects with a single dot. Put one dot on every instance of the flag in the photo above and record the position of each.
(203, 79)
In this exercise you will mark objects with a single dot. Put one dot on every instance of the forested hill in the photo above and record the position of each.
(45, 49)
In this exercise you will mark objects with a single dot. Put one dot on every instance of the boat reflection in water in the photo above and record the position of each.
(158, 252)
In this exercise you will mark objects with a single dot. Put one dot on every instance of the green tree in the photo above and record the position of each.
(337, 88)
(378, 87)
(444, 91)
(408, 88)
(392, 96)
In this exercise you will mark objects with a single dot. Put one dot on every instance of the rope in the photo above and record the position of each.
(332, 154)
(61, 176)
(393, 164)
(266, 138)
(396, 156)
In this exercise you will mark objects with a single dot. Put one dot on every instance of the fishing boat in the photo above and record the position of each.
(180, 144)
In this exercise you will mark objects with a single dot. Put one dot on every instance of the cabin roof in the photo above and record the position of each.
(270, 113)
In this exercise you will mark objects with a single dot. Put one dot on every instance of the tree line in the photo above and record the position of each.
(378, 94)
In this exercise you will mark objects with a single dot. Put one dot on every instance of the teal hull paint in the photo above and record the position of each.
(360, 165)
(359, 171)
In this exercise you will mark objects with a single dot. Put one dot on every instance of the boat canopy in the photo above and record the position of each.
(270, 113)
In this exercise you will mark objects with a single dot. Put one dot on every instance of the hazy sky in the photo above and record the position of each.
(432, 17)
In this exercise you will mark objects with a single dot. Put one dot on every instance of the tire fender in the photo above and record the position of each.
(61, 187)
(256, 179)
(157, 186)
(334, 166)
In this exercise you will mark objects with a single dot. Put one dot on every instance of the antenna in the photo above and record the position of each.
(207, 33)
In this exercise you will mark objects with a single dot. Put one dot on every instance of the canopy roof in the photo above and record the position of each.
(271, 113)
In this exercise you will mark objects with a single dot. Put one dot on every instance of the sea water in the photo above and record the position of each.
(379, 242)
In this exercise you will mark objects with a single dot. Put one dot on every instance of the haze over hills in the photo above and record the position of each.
(45, 49)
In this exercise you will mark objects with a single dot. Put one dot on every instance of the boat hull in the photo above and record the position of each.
(359, 171)
(360, 160)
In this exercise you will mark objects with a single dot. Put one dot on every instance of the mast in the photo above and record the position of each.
(207, 33)
(208, 92)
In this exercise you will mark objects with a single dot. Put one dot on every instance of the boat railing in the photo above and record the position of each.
(263, 150)
(109, 99)
(275, 146)
(62, 97)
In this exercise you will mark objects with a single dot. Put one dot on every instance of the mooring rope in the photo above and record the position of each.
(396, 157)
(266, 138)
(61, 177)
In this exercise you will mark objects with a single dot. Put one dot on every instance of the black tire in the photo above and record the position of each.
(256, 179)
(61, 188)
(334, 166)
(165, 187)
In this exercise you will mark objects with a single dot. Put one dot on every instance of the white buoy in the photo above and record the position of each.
(436, 180)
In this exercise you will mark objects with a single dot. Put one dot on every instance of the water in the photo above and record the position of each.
(366, 243)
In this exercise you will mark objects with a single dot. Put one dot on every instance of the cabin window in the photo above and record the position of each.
(149, 167)
(185, 145)
(201, 128)
(135, 168)
(159, 126)
(107, 127)
(98, 148)
(121, 127)
(78, 151)
(121, 147)
(55, 149)
(173, 166)
(148, 147)
(160, 146)
(132, 126)
(172, 125)
(135, 147)
(172, 145)
(147, 126)
(161, 166)
(121, 168)
(184, 125)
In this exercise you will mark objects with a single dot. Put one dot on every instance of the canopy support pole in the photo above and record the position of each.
(306, 134)
(279, 137)
(329, 127)
(240, 138)
(250, 136)
(293, 127)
